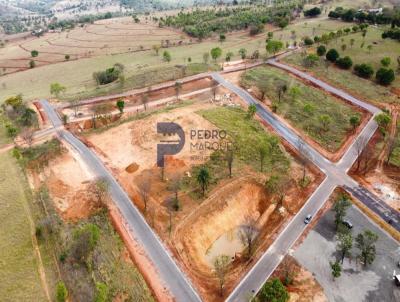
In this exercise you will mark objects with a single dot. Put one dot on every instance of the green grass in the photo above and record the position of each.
(247, 135)
(346, 79)
(76, 76)
(292, 108)
(19, 275)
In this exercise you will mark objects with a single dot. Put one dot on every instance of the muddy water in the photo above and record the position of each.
(227, 244)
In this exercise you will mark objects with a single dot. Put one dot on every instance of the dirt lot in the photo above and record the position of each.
(202, 227)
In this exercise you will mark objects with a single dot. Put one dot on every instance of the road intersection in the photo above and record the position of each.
(336, 175)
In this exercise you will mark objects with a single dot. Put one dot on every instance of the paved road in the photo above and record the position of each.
(335, 176)
(174, 278)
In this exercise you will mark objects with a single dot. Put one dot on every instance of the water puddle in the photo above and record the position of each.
(227, 244)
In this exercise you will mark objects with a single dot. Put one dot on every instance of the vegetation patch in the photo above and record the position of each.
(321, 116)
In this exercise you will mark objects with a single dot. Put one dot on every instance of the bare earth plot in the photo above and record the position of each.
(203, 227)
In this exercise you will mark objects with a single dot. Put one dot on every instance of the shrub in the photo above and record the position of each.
(67, 57)
(345, 62)
(311, 60)
(385, 76)
(364, 70)
(385, 61)
(313, 12)
(308, 41)
(321, 50)
(109, 75)
(256, 29)
(34, 53)
(61, 292)
(32, 64)
(332, 55)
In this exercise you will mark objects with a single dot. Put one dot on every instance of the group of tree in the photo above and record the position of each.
(364, 242)
(109, 75)
(312, 12)
(386, 16)
(21, 119)
(202, 23)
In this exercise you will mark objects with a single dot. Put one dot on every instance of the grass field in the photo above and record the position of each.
(303, 105)
(19, 276)
(247, 135)
(364, 88)
(77, 75)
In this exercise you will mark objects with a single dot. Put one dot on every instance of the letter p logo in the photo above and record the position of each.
(169, 147)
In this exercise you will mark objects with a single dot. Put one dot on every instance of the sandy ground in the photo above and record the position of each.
(129, 150)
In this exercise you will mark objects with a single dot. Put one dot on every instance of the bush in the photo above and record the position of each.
(34, 53)
(308, 41)
(61, 292)
(109, 75)
(332, 55)
(321, 50)
(256, 29)
(32, 64)
(384, 76)
(313, 12)
(311, 60)
(345, 62)
(364, 70)
(385, 61)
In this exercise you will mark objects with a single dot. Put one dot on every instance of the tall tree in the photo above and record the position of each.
(178, 88)
(203, 179)
(365, 242)
(274, 291)
(344, 245)
(340, 207)
(221, 268)
(56, 89)
(248, 233)
(274, 46)
(229, 156)
(336, 269)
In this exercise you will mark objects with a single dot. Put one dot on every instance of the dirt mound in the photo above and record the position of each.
(132, 168)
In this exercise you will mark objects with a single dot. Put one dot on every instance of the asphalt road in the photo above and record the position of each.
(336, 175)
(175, 280)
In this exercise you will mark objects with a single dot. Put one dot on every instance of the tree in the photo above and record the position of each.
(270, 35)
(56, 89)
(85, 240)
(28, 117)
(393, 144)
(343, 47)
(359, 146)
(67, 57)
(311, 60)
(228, 56)
(385, 61)
(281, 88)
(365, 242)
(332, 55)
(100, 187)
(222, 37)
(102, 292)
(277, 185)
(248, 233)
(175, 184)
(383, 120)
(145, 99)
(325, 121)
(32, 64)
(242, 53)
(229, 156)
(251, 111)
(221, 268)
(312, 12)
(354, 121)
(369, 47)
(156, 49)
(274, 291)
(344, 63)
(27, 135)
(144, 186)
(308, 41)
(262, 152)
(178, 88)
(321, 50)
(274, 46)
(203, 179)
(352, 42)
(216, 52)
(363, 70)
(34, 53)
(304, 158)
(336, 269)
(344, 245)
(340, 207)
(167, 56)
(14, 101)
(121, 106)
(385, 76)
(61, 292)
(206, 57)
